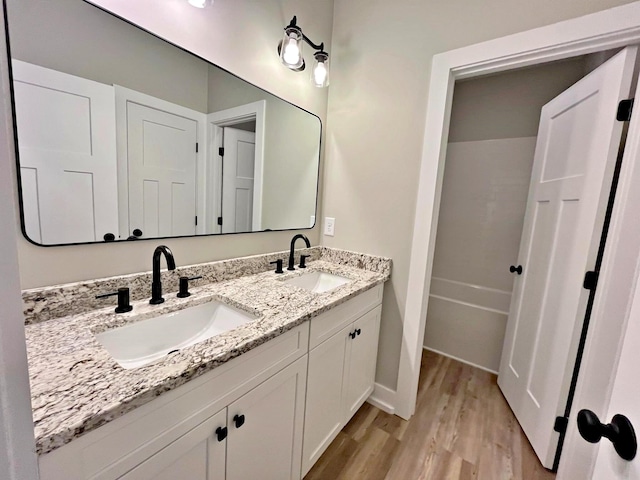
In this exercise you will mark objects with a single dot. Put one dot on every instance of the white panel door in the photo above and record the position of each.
(197, 455)
(161, 155)
(238, 180)
(625, 400)
(578, 141)
(267, 443)
(66, 137)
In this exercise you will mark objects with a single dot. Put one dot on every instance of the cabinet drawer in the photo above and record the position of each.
(113, 449)
(329, 323)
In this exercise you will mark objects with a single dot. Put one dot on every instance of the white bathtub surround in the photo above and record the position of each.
(484, 197)
(77, 386)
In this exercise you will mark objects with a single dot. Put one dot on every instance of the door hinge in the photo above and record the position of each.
(625, 107)
(196, 219)
(560, 425)
(196, 147)
(221, 151)
(590, 280)
(219, 220)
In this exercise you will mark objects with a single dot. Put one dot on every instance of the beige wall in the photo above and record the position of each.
(240, 36)
(381, 57)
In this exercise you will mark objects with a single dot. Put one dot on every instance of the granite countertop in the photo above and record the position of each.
(76, 385)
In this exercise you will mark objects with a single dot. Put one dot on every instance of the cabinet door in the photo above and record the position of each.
(265, 428)
(362, 361)
(197, 455)
(325, 393)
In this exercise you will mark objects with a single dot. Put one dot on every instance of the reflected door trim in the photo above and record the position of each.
(124, 96)
(227, 118)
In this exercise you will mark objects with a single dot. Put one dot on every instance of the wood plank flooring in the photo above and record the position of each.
(462, 429)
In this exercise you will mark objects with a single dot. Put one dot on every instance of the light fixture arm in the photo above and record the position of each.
(293, 24)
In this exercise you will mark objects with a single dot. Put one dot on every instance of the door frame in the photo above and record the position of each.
(125, 95)
(604, 30)
(228, 118)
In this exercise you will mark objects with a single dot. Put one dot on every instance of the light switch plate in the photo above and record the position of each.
(329, 226)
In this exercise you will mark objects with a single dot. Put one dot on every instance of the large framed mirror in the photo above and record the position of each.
(122, 135)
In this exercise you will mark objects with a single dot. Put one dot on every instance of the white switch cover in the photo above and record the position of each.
(329, 226)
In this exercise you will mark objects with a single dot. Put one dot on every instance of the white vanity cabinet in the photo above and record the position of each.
(268, 414)
(342, 365)
(174, 436)
(257, 436)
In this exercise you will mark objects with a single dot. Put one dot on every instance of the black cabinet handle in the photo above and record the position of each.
(238, 420)
(221, 433)
(517, 269)
(109, 237)
(358, 331)
(620, 432)
(352, 335)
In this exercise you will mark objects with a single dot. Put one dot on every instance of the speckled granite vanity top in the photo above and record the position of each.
(76, 385)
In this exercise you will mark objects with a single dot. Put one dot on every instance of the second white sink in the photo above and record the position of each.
(318, 282)
(143, 342)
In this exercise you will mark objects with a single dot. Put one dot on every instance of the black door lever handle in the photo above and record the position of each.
(517, 269)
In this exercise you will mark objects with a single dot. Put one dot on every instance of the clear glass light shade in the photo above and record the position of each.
(291, 49)
(320, 70)
(200, 3)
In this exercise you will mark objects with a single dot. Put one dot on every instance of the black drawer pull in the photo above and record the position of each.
(221, 433)
(238, 420)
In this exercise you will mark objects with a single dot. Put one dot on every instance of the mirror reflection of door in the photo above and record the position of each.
(67, 134)
(238, 169)
(161, 151)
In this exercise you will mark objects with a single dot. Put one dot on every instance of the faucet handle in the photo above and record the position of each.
(123, 299)
(278, 264)
(303, 259)
(184, 286)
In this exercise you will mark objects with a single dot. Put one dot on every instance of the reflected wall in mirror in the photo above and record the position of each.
(122, 135)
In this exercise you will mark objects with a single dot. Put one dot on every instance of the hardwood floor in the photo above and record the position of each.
(462, 429)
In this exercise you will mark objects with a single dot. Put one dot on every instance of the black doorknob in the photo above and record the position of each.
(620, 432)
(137, 232)
(517, 269)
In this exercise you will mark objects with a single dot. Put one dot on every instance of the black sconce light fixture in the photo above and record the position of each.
(290, 51)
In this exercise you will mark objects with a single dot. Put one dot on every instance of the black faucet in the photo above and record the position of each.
(293, 244)
(156, 284)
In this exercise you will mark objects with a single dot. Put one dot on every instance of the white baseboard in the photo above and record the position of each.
(383, 398)
(459, 360)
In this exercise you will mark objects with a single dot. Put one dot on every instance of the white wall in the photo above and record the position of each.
(240, 36)
(381, 58)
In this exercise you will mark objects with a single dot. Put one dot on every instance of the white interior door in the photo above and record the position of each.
(625, 400)
(162, 155)
(238, 180)
(578, 140)
(66, 138)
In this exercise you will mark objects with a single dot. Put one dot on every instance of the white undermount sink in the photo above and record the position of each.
(318, 282)
(145, 341)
